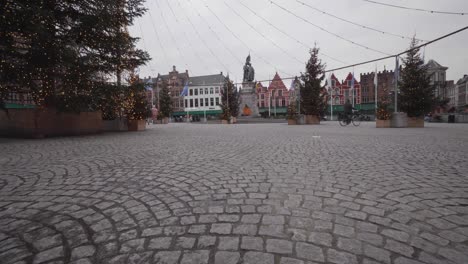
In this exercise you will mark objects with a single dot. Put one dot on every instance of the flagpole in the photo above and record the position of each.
(396, 84)
(376, 84)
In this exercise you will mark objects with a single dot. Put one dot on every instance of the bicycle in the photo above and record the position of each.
(346, 120)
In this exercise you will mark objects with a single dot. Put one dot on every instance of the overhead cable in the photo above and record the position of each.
(240, 39)
(263, 35)
(327, 31)
(354, 23)
(286, 34)
(202, 40)
(418, 9)
(187, 38)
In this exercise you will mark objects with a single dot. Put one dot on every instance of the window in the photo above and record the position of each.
(206, 90)
(283, 102)
(206, 102)
(211, 101)
(262, 96)
(277, 102)
(191, 102)
(211, 90)
(201, 100)
(333, 83)
(196, 91)
(196, 102)
(280, 92)
(186, 103)
(217, 100)
(349, 83)
(217, 90)
(263, 104)
(201, 91)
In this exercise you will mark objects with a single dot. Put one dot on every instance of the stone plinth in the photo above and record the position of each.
(248, 97)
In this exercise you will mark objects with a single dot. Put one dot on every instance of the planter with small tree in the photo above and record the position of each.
(416, 94)
(165, 104)
(311, 89)
(383, 113)
(229, 102)
(136, 105)
(292, 114)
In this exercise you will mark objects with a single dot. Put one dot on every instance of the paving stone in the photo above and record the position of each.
(285, 260)
(252, 243)
(258, 258)
(251, 218)
(376, 253)
(225, 257)
(160, 243)
(395, 234)
(206, 241)
(186, 242)
(400, 248)
(245, 229)
(195, 257)
(324, 239)
(273, 220)
(309, 252)
(223, 229)
(339, 257)
(228, 243)
(279, 246)
(351, 245)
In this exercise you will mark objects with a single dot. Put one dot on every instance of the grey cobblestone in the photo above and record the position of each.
(267, 193)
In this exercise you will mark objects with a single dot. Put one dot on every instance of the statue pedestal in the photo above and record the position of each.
(248, 97)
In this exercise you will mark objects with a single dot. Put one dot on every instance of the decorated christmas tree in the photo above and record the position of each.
(165, 102)
(312, 96)
(416, 94)
(383, 106)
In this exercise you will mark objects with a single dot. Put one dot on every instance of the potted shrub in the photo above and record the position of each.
(311, 90)
(292, 114)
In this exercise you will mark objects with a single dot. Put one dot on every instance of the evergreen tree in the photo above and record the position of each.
(60, 51)
(229, 100)
(165, 102)
(234, 102)
(312, 96)
(416, 95)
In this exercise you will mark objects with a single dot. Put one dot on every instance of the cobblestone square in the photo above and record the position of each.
(253, 193)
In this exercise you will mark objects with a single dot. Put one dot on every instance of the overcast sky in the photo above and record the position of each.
(208, 47)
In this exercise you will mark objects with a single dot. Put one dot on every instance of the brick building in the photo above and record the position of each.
(176, 82)
(275, 98)
(385, 80)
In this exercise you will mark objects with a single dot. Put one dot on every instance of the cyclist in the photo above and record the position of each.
(348, 111)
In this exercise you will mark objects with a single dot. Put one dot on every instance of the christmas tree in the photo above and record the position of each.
(312, 96)
(165, 102)
(383, 106)
(229, 100)
(61, 51)
(416, 95)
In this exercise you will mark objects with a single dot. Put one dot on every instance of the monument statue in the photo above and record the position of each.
(249, 72)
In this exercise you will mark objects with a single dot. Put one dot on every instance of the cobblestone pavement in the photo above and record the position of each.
(268, 193)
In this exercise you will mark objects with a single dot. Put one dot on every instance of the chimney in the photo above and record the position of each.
(186, 71)
(221, 73)
(173, 68)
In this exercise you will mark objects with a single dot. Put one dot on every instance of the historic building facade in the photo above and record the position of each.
(204, 95)
(275, 98)
(385, 81)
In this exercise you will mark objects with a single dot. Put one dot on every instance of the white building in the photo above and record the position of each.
(204, 95)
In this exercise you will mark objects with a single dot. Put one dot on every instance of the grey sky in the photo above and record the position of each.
(185, 50)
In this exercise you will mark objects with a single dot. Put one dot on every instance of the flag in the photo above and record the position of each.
(293, 85)
(352, 81)
(149, 85)
(375, 77)
(397, 70)
(185, 90)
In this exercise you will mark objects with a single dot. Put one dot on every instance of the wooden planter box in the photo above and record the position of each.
(312, 120)
(116, 125)
(292, 122)
(415, 122)
(234, 120)
(39, 123)
(382, 123)
(136, 125)
(224, 122)
(399, 120)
